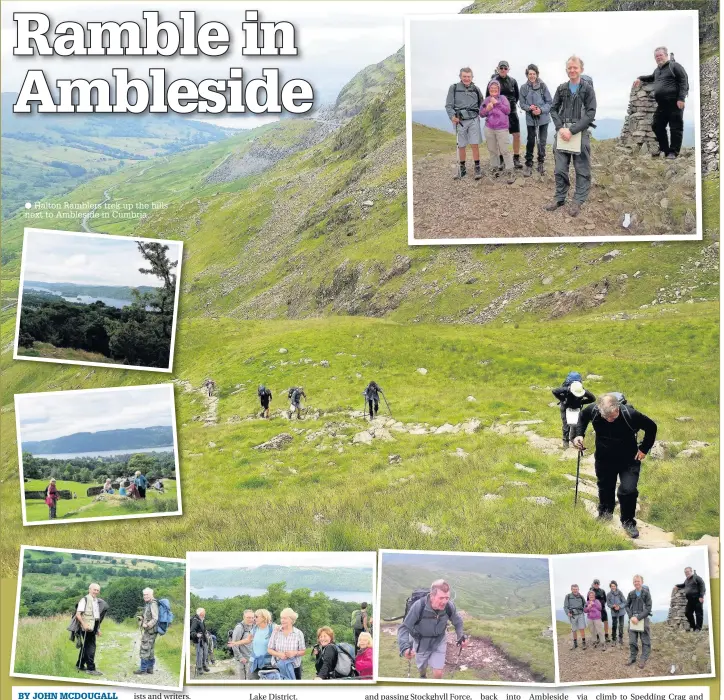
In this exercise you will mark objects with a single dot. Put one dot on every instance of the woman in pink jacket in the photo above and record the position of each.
(592, 608)
(495, 110)
(363, 660)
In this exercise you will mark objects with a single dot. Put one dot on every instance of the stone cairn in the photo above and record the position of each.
(636, 132)
(677, 609)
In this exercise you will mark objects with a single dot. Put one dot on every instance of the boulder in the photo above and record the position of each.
(283, 351)
(539, 500)
(523, 468)
(394, 459)
(421, 370)
(363, 438)
(278, 442)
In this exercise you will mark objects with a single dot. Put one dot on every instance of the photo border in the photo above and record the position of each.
(661, 551)
(94, 680)
(454, 681)
(241, 684)
(527, 17)
(70, 521)
(21, 291)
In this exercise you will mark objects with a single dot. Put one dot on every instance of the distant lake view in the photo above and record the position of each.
(223, 592)
(106, 453)
(83, 299)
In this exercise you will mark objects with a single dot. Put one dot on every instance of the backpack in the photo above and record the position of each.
(673, 75)
(165, 616)
(291, 392)
(357, 617)
(587, 78)
(572, 377)
(625, 406)
(468, 109)
(345, 660)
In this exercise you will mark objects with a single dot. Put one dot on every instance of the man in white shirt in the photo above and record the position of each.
(90, 612)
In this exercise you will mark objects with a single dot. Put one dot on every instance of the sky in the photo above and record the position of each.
(52, 256)
(661, 569)
(238, 560)
(335, 41)
(55, 414)
(616, 48)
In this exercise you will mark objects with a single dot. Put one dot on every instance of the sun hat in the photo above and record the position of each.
(577, 389)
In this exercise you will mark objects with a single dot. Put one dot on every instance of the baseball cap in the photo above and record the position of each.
(595, 580)
(503, 64)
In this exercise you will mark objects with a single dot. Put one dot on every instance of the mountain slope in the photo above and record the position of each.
(125, 439)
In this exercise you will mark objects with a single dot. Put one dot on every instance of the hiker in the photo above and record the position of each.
(359, 622)
(89, 612)
(287, 646)
(694, 590)
(509, 90)
(259, 639)
(265, 396)
(210, 386)
(210, 646)
(618, 456)
(496, 110)
(240, 643)
(122, 488)
(573, 605)
(198, 638)
(108, 487)
(141, 484)
(671, 86)
(326, 654)
(601, 598)
(593, 611)
(616, 601)
(296, 394)
(158, 485)
(638, 609)
(51, 499)
(462, 106)
(363, 660)
(132, 489)
(535, 101)
(572, 397)
(149, 625)
(572, 112)
(423, 632)
(372, 398)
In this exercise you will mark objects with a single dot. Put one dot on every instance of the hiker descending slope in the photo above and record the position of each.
(618, 455)
(372, 398)
(462, 106)
(296, 394)
(210, 386)
(571, 398)
(423, 632)
(265, 396)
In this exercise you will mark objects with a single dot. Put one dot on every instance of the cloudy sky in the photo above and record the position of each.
(335, 40)
(615, 47)
(51, 256)
(661, 569)
(233, 560)
(55, 414)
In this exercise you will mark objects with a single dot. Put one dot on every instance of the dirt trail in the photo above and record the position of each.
(211, 403)
(128, 647)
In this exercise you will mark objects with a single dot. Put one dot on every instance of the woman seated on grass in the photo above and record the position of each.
(287, 646)
(326, 654)
(51, 499)
(122, 488)
(132, 491)
(108, 487)
(363, 660)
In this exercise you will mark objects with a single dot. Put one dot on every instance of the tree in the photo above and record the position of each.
(141, 463)
(124, 597)
(161, 267)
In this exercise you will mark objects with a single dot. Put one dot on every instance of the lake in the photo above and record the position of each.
(106, 453)
(84, 299)
(232, 591)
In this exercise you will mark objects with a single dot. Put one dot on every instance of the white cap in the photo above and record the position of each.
(577, 389)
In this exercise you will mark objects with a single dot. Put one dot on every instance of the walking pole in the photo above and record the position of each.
(457, 155)
(578, 476)
(460, 653)
(388, 405)
(80, 655)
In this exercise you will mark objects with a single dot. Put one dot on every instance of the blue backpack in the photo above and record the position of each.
(165, 616)
(572, 377)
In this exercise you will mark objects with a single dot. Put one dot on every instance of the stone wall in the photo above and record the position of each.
(40, 495)
(636, 132)
(677, 609)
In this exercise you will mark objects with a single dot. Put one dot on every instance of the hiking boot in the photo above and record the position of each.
(206, 669)
(656, 155)
(608, 641)
(478, 172)
(516, 163)
(552, 206)
(527, 171)
(462, 172)
(574, 209)
(583, 645)
(631, 662)
(541, 169)
(606, 516)
(139, 671)
(566, 444)
(689, 629)
(631, 529)
(670, 156)
(642, 663)
(509, 177)
(575, 645)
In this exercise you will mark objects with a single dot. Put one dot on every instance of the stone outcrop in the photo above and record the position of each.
(677, 610)
(636, 132)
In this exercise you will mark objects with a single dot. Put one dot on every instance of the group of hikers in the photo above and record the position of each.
(571, 108)
(85, 628)
(134, 486)
(266, 651)
(602, 613)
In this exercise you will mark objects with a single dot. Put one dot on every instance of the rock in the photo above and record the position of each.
(278, 442)
(471, 399)
(539, 500)
(610, 255)
(547, 280)
(697, 445)
(321, 520)
(637, 274)
(664, 203)
(394, 459)
(594, 378)
(367, 203)
(424, 529)
(324, 363)
(523, 468)
(363, 438)
(421, 370)
(589, 227)
(527, 422)
(446, 428)
(283, 351)
(492, 497)
(471, 426)
(460, 452)
(212, 444)
(688, 454)
(383, 434)
(658, 451)
(685, 419)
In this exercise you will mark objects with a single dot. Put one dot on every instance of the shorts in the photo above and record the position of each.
(578, 622)
(513, 121)
(468, 132)
(434, 657)
(604, 615)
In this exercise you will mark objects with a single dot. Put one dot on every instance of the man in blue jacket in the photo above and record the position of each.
(536, 102)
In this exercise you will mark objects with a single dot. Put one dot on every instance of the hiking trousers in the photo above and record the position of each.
(374, 407)
(566, 428)
(497, 142)
(694, 612)
(633, 644)
(200, 656)
(668, 114)
(148, 641)
(530, 144)
(582, 166)
(88, 655)
(627, 474)
(617, 623)
(52, 512)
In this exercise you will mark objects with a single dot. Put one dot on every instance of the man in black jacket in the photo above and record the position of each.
(198, 639)
(671, 86)
(509, 89)
(571, 398)
(694, 590)
(618, 455)
(638, 608)
(573, 112)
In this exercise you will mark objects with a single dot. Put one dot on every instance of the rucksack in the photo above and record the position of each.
(345, 660)
(673, 75)
(587, 78)
(572, 377)
(165, 616)
(478, 92)
(357, 622)
(292, 391)
(625, 408)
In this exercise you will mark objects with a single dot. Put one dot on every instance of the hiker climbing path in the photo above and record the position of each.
(489, 208)
(211, 403)
(124, 646)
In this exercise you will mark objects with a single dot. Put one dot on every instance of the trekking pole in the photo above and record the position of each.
(578, 476)
(460, 653)
(80, 654)
(457, 155)
(388, 405)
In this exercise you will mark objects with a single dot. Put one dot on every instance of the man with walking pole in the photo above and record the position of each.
(89, 613)
(148, 622)
(463, 109)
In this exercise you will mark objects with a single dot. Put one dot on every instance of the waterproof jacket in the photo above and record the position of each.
(372, 393)
(573, 604)
(363, 662)
(617, 441)
(670, 82)
(497, 118)
(639, 606)
(326, 661)
(508, 88)
(297, 395)
(593, 609)
(463, 102)
(568, 400)
(427, 627)
(579, 110)
(616, 598)
(694, 586)
(537, 94)
(197, 627)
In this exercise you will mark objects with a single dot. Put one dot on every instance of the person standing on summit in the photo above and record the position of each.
(462, 106)
(509, 89)
(671, 86)
(694, 589)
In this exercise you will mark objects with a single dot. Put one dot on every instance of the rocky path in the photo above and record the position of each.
(85, 226)
(127, 645)
(210, 415)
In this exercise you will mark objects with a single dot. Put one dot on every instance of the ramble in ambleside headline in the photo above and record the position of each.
(154, 37)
